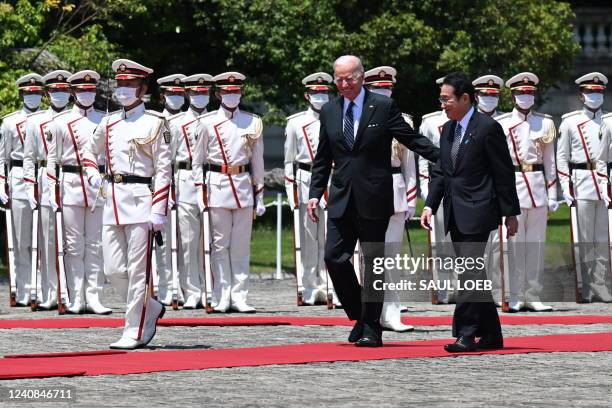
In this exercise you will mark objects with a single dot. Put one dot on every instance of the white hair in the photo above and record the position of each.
(352, 60)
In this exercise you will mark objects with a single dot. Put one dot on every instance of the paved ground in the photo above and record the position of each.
(563, 379)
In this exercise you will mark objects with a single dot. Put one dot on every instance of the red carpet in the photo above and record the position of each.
(87, 322)
(156, 361)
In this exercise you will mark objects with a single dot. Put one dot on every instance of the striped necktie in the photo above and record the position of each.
(456, 144)
(349, 127)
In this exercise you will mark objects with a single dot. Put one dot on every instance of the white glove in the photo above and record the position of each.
(410, 213)
(157, 221)
(53, 203)
(31, 198)
(553, 205)
(171, 202)
(95, 181)
(567, 197)
(424, 191)
(605, 198)
(3, 196)
(260, 208)
(200, 198)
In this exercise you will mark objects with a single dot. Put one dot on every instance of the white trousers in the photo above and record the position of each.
(493, 264)
(312, 240)
(526, 255)
(593, 247)
(189, 256)
(391, 311)
(22, 238)
(231, 241)
(47, 254)
(83, 254)
(125, 259)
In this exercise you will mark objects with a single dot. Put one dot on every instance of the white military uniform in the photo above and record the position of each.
(431, 127)
(579, 144)
(136, 143)
(163, 255)
(229, 141)
(35, 156)
(72, 130)
(604, 166)
(531, 143)
(182, 127)
(404, 200)
(12, 139)
(301, 142)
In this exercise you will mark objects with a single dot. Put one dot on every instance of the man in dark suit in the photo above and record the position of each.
(475, 177)
(356, 133)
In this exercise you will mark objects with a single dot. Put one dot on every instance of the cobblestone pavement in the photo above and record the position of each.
(560, 379)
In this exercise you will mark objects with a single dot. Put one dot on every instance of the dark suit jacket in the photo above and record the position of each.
(363, 173)
(481, 188)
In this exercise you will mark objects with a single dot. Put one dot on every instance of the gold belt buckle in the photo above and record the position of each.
(230, 169)
(527, 167)
(117, 178)
(590, 166)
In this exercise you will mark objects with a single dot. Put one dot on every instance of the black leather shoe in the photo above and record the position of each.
(369, 341)
(490, 343)
(463, 344)
(356, 333)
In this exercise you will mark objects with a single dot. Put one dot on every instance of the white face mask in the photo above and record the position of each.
(199, 101)
(59, 99)
(231, 100)
(524, 101)
(86, 99)
(32, 101)
(174, 102)
(383, 91)
(593, 100)
(487, 103)
(317, 100)
(126, 96)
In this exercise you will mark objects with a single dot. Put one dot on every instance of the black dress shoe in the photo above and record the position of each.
(369, 341)
(463, 344)
(356, 333)
(490, 343)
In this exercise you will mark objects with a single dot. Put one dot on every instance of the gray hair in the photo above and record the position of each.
(350, 59)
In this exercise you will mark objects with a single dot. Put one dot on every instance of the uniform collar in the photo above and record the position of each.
(589, 114)
(134, 112)
(196, 114)
(82, 112)
(54, 112)
(313, 113)
(227, 113)
(25, 110)
(518, 115)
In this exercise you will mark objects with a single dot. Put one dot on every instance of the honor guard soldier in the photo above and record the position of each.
(136, 143)
(530, 136)
(487, 94)
(12, 140)
(585, 189)
(82, 213)
(37, 189)
(173, 96)
(228, 162)
(381, 80)
(431, 127)
(182, 127)
(301, 142)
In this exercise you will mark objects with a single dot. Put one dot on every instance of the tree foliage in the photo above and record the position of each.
(277, 42)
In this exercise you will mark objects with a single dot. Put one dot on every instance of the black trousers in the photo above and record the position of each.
(475, 313)
(360, 303)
